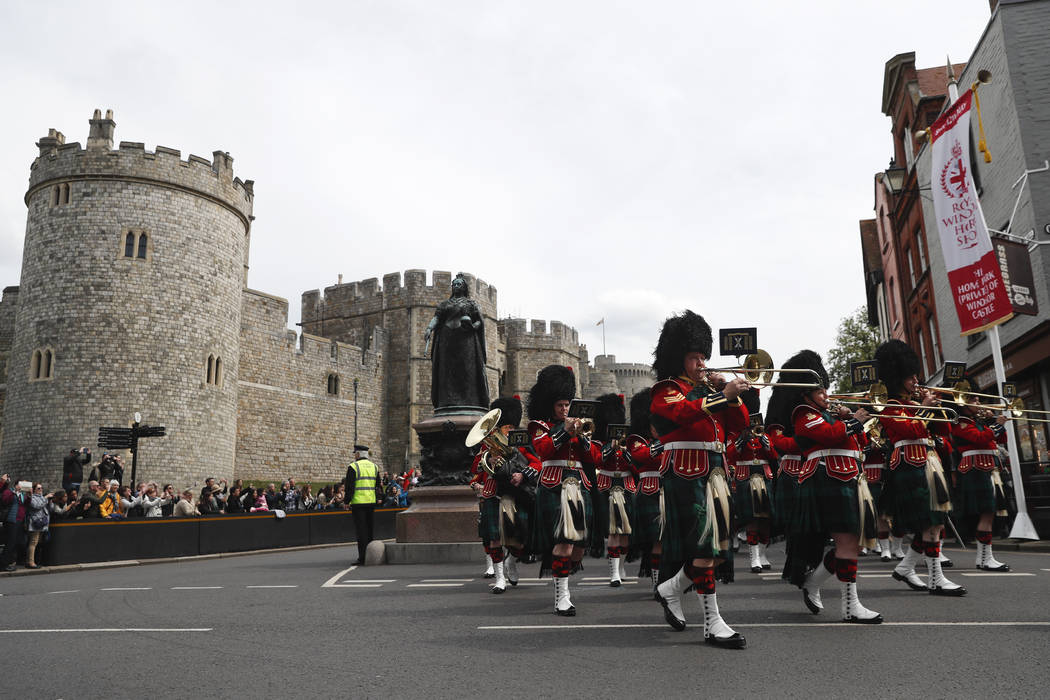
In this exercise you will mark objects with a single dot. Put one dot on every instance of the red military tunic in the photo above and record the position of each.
(753, 458)
(645, 462)
(615, 465)
(490, 485)
(910, 438)
(977, 444)
(789, 454)
(826, 439)
(693, 422)
(564, 460)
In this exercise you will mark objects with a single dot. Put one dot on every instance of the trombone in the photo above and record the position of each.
(758, 370)
(961, 390)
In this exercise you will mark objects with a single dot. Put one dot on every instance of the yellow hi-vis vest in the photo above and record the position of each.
(365, 483)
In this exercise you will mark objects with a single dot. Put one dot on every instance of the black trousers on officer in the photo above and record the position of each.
(364, 527)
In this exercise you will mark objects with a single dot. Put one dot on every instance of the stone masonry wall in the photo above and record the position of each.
(288, 425)
(403, 308)
(128, 334)
(530, 349)
(8, 306)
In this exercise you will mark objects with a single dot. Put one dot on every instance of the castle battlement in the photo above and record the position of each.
(396, 290)
(518, 333)
(59, 161)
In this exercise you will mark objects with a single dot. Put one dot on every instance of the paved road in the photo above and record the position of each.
(296, 624)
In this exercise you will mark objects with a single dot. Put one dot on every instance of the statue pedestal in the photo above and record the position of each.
(442, 523)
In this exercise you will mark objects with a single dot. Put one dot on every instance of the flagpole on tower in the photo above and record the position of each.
(602, 324)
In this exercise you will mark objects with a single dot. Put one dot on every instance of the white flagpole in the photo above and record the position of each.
(1023, 527)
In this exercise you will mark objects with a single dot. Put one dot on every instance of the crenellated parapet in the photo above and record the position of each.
(540, 335)
(68, 163)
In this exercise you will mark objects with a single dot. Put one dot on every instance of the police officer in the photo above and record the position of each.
(361, 477)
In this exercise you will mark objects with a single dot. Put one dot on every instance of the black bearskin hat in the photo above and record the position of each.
(777, 410)
(610, 410)
(793, 396)
(510, 410)
(896, 361)
(681, 334)
(752, 401)
(553, 383)
(640, 413)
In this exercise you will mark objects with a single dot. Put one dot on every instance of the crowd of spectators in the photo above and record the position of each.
(26, 510)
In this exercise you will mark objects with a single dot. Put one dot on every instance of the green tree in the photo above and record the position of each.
(855, 341)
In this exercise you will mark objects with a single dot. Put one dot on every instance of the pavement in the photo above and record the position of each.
(307, 624)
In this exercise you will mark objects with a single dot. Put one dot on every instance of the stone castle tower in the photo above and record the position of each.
(130, 300)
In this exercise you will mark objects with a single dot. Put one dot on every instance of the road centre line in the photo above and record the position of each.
(111, 629)
(194, 588)
(606, 583)
(128, 589)
(446, 580)
(57, 592)
(281, 586)
(435, 585)
(839, 625)
(358, 585)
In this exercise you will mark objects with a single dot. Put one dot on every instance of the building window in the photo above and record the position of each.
(42, 365)
(920, 246)
(333, 385)
(334, 350)
(922, 354)
(911, 267)
(136, 245)
(65, 193)
(56, 192)
(213, 372)
(937, 357)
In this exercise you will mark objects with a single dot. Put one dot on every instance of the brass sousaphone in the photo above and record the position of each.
(486, 432)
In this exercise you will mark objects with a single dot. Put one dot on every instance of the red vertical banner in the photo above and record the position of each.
(981, 299)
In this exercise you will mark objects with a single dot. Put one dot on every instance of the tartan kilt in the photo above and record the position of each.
(601, 509)
(876, 492)
(645, 520)
(685, 512)
(745, 504)
(785, 499)
(825, 505)
(906, 500)
(488, 526)
(975, 493)
(548, 511)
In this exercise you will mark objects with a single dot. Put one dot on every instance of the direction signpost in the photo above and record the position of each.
(128, 439)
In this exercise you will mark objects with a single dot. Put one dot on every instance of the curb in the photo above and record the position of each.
(89, 566)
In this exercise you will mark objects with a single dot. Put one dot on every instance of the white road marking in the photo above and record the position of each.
(1044, 569)
(533, 583)
(333, 582)
(840, 625)
(195, 588)
(292, 586)
(606, 583)
(128, 589)
(111, 629)
(998, 573)
(874, 575)
(446, 580)
(57, 592)
(358, 585)
(435, 585)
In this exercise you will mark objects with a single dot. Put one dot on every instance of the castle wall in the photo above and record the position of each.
(288, 424)
(402, 306)
(531, 348)
(8, 306)
(629, 377)
(127, 333)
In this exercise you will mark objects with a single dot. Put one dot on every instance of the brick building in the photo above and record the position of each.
(1015, 198)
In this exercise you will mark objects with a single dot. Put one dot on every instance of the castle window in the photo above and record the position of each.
(213, 371)
(42, 365)
(334, 350)
(65, 193)
(56, 192)
(136, 245)
(333, 385)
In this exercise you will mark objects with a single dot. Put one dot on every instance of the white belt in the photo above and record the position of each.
(709, 446)
(752, 463)
(649, 475)
(855, 454)
(925, 442)
(570, 463)
(606, 472)
(790, 458)
(974, 453)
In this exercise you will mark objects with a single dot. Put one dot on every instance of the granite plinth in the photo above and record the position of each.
(434, 552)
(439, 514)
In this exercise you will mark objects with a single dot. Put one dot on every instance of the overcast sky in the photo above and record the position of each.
(622, 160)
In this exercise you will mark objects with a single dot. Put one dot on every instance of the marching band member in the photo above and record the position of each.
(918, 500)
(789, 461)
(751, 456)
(874, 468)
(981, 493)
(614, 488)
(563, 498)
(692, 418)
(503, 522)
(832, 499)
(644, 451)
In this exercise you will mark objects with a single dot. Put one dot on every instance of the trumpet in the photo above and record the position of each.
(758, 370)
